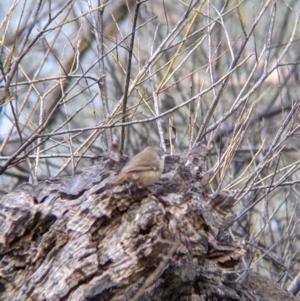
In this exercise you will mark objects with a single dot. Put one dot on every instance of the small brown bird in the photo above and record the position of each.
(143, 169)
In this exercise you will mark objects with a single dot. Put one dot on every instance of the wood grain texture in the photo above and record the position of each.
(82, 238)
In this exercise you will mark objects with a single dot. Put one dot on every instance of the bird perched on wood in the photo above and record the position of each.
(144, 169)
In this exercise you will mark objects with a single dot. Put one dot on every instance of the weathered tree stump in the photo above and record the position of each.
(82, 238)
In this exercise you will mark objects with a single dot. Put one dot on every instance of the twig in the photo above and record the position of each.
(128, 73)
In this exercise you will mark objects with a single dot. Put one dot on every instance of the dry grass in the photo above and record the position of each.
(224, 73)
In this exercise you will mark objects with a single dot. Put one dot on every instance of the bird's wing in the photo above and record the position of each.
(139, 165)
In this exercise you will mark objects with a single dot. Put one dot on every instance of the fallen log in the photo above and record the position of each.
(82, 238)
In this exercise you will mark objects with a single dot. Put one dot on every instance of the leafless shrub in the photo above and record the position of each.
(224, 73)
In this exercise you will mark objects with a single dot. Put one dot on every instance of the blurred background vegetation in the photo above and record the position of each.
(223, 73)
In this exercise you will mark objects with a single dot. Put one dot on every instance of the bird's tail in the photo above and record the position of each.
(118, 179)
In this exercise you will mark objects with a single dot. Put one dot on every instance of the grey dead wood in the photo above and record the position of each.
(82, 238)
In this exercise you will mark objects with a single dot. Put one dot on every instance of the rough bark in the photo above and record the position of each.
(82, 238)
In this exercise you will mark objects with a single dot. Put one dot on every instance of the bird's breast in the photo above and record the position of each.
(145, 178)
